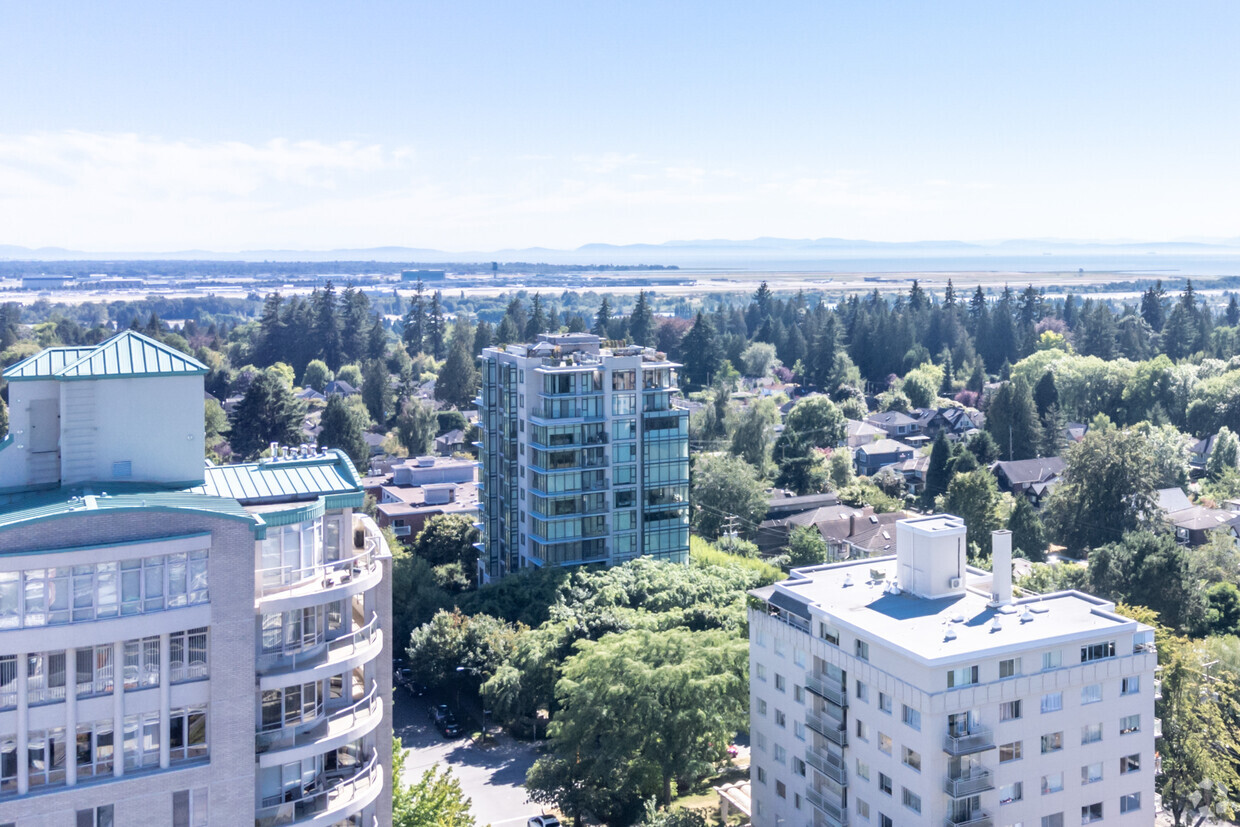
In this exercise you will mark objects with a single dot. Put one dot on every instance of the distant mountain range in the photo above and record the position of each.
(706, 253)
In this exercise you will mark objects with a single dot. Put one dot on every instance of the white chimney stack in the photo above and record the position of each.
(1001, 568)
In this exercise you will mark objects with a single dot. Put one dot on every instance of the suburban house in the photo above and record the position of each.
(1194, 523)
(857, 433)
(1199, 454)
(873, 456)
(896, 424)
(1032, 479)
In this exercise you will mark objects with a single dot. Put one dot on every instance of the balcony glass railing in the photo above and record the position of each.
(281, 578)
(829, 805)
(825, 687)
(830, 728)
(342, 720)
(832, 766)
(975, 740)
(974, 819)
(975, 781)
(323, 797)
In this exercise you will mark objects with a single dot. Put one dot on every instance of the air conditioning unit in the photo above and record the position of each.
(954, 583)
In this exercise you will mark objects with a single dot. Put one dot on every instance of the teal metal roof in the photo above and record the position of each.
(35, 507)
(131, 354)
(282, 480)
(45, 365)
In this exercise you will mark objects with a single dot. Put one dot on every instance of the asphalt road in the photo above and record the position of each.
(492, 776)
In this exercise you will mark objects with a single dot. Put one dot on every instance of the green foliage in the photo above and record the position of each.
(316, 375)
(415, 596)
(478, 643)
(1012, 420)
(640, 710)
(522, 597)
(938, 476)
(351, 373)
(755, 572)
(434, 800)
(1168, 449)
(673, 817)
(450, 421)
(1046, 578)
(457, 384)
(921, 385)
(1225, 456)
(974, 497)
(1144, 569)
(1108, 489)
(267, 413)
(1222, 609)
(344, 427)
(863, 492)
(416, 427)
(4, 418)
(813, 423)
(751, 433)
(1028, 534)
(446, 539)
(758, 359)
(840, 470)
(377, 391)
(806, 546)
(723, 486)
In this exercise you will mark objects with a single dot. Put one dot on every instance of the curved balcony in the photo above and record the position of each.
(323, 581)
(341, 725)
(359, 646)
(337, 799)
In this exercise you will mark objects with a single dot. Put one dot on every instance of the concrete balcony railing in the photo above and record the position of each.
(826, 726)
(829, 805)
(978, 780)
(827, 688)
(977, 819)
(977, 740)
(831, 766)
(334, 723)
(336, 800)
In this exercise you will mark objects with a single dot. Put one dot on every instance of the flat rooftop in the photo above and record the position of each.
(920, 627)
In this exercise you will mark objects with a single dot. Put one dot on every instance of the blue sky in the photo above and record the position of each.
(476, 126)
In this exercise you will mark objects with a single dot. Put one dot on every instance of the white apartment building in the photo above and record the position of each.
(585, 459)
(180, 644)
(912, 689)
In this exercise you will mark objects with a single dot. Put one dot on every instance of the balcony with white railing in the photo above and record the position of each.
(363, 642)
(827, 688)
(975, 819)
(976, 739)
(829, 805)
(293, 581)
(830, 728)
(832, 766)
(329, 801)
(349, 722)
(972, 782)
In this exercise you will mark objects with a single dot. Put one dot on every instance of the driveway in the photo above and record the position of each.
(492, 776)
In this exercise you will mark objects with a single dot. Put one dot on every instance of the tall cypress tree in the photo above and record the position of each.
(641, 322)
(414, 334)
(436, 327)
(602, 319)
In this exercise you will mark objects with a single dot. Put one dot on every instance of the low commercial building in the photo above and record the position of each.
(913, 689)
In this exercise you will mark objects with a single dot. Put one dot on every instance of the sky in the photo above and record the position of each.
(470, 126)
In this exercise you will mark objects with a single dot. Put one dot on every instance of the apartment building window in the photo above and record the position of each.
(293, 631)
(1091, 733)
(1009, 668)
(8, 765)
(45, 682)
(1091, 773)
(8, 681)
(1130, 803)
(1130, 763)
(1091, 813)
(781, 720)
(141, 663)
(913, 802)
(884, 743)
(1097, 651)
(798, 656)
(1129, 723)
(96, 817)
(1052, 742)
(1009, 711)
(912, 759)
(1052, 783)
(46, 758)
(863, 650)
(863, 770)
(761, 707)
(187, 655)
(141, 740)
(862, 692)
(884, 783)
(780, 683)
(863, 730)
(1130, 686)
(884, 821)
(1091, 694)
(760, 671)
(884, 702)
(863, 809)
(291, 705)
(1010, 793)
(829, 633)
(187, 734)
(798, 767)
(1052, 659)
(1012, 751)
(965, 676)
(1052, 702)
(761, 775)
(94, 749)
(798, 729)
(798, 693)
(779, 753)
(912, 717)
(780, 789)
(779, 648)
(1054, 820)
(189, 808)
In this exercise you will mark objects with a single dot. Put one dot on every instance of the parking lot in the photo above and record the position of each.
(493, 776)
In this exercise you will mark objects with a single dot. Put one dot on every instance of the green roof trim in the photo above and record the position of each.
(130, 354)
(45, 364)
(281, 480)
(335, 501)
(63, 502)
(291, 516)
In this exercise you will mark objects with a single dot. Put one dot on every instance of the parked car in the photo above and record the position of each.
(438, 712)
(449, 727)
(543, 821)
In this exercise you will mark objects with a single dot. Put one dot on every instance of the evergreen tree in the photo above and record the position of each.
(977, 379)
(355, 324)
(1152, 306)
(377, 391)
(457, 384)
(1028, 533)
(376, 339)
(937, 474)
(436, 327)
(268, 412)
(641, 322)
(414, 333)
(538, 320)
(1045, 394)
(507, 332)
(269, 348)
(484, 336)
(1232, 314)
(1226, 454)
(1012, 419)
(416, 427)
(344, 427)
(327, 325)
(702, 358)
(602, 319)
